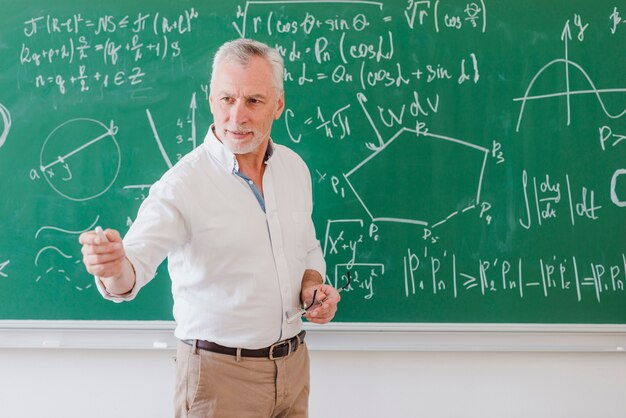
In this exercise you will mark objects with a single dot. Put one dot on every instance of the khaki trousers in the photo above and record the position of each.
(212, 385)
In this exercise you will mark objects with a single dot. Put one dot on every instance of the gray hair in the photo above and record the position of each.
(241, 50)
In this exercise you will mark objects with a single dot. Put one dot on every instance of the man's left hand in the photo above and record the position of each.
(325, 305)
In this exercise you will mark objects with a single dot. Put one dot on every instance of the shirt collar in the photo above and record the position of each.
(223, 155)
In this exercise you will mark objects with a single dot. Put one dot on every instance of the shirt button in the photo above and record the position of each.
(250, 181)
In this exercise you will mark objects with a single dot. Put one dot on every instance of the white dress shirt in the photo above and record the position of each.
(235, 269)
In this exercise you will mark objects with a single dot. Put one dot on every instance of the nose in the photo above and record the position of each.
(238, 112)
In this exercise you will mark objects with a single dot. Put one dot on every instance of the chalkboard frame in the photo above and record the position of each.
(384, 337)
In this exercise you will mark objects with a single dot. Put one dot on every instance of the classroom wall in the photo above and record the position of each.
(69, 383)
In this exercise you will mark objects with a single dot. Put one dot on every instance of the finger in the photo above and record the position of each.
(321, 294)
(95, 259)
(91, 238)
(109, 247)
(328, 302)
(326, 308)
(321, 318)
(108, 269)
(323, 310)
(112, 235)
(87, 238)
(331, 296)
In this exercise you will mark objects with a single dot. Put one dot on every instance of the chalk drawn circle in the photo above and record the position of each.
(6, 120)
(80, 159)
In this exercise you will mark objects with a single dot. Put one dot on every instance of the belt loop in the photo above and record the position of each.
(194, 347)
(238, 355)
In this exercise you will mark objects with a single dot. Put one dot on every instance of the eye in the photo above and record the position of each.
(254, 101)
(227, 100)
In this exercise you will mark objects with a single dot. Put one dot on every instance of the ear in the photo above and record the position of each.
(280, 106)
(211, 100)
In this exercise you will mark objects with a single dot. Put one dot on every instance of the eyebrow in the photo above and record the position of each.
(259, 96)
(256, 96)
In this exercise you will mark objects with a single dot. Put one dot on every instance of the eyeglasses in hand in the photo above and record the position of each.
(295, 313)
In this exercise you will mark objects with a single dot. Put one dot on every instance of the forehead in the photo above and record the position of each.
(254, 77)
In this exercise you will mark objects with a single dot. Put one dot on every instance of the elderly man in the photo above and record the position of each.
(234, 219)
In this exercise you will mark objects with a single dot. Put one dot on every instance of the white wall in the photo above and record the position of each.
(70, 383)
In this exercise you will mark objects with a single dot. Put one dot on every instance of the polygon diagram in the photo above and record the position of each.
(418, 179)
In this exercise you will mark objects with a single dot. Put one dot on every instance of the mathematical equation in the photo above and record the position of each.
(342, 43)
(115, 46)
(448, 274)
(254, 17)
(555, 276)
(365, 77)
(543, 196)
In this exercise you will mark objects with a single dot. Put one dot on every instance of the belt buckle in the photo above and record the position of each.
(278, 344)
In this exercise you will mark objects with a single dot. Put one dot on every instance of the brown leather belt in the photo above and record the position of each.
(274, 351)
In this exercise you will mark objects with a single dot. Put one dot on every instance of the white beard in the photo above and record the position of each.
(243, 147)
(247, 146)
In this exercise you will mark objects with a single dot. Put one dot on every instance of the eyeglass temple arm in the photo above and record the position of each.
(306, 308)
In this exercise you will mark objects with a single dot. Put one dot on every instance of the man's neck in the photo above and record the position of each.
(251, 164)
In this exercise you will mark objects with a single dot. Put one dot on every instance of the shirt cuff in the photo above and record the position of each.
(128, 296)
(111, 296)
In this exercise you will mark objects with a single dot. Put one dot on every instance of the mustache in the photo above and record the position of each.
(240, 129)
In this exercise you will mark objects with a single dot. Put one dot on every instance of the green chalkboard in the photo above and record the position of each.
(467, 157)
